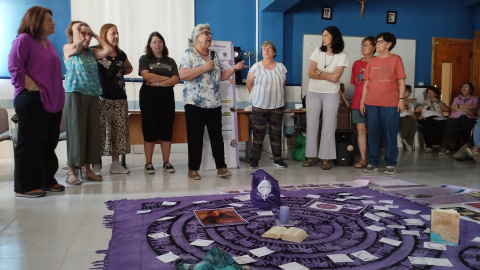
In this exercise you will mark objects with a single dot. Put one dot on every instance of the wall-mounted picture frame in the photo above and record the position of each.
(391, 17)
(327, 13)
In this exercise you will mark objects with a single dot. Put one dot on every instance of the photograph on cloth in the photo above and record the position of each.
(219, 217)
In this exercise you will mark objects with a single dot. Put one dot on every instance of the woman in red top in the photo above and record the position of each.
(383, 98)
(358, 69)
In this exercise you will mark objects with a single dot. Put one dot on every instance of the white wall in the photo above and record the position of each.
(135, 20)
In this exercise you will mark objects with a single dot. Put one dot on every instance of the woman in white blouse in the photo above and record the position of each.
(266, 82)
(431, 116)
(326, 67)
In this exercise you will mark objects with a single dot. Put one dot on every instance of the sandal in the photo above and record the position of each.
(310, 162)
(361, 164)
(91, 176)
(55, 188)
(325, 164)
(73, 180)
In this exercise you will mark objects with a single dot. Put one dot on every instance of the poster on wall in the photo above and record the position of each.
(224, 50)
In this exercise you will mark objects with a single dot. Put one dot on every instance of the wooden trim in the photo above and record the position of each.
(476, 60)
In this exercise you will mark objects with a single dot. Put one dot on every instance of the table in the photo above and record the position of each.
(179, 134)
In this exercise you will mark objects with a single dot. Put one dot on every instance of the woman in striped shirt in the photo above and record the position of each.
(266, 82)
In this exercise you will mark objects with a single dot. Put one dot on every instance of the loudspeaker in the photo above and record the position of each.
(237, 56)
(345, 146)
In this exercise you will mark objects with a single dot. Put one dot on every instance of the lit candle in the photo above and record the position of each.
(284, 214)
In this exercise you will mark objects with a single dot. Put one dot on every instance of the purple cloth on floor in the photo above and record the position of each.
(328, 233)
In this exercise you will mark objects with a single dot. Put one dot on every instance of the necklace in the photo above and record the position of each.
(326, 65)
(204, 55)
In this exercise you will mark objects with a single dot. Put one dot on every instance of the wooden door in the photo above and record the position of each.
(459, 53)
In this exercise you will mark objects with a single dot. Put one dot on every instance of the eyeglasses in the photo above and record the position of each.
(365, 45)
(380, 41)
(466, 87)
(156, 42)
(207, 33)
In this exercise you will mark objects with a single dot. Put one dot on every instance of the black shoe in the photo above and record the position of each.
(253, 163)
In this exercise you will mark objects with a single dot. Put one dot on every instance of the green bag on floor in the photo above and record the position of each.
(298, 149)
(461, 154)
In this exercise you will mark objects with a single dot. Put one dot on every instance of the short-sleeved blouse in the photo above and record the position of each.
(204, 90)
(111, 71)
(267, 91)
(82, 74)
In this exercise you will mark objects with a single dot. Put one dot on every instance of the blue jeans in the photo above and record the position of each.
(476, 134)
(382, 121)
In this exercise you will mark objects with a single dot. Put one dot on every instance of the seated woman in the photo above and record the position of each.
(431, 116)
(474, 152)
(343, 99)
(462, 115)
(408, 123)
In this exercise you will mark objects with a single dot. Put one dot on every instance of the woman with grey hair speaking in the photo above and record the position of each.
(201, 70)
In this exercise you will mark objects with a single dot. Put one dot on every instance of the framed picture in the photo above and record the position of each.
(326, 13)
(391, 17)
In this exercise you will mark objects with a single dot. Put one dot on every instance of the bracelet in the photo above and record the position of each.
(401, 98)
(158, 84)
(319, 73)
(235, 69)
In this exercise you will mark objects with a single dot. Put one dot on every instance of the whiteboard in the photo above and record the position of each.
(406, 48)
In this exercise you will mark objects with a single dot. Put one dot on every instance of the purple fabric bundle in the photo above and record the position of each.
(265, 192)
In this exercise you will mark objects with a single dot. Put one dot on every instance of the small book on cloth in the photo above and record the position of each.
(290, 234)
(444, 226)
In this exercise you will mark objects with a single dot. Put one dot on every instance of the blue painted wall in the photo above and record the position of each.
(12, 12)
(231, 20)
(285, 22)
(419, 20)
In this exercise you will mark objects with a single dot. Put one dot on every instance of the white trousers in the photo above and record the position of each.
(327, 104)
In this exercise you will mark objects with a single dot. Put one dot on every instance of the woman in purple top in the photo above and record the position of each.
(39, 96)
(462, 115)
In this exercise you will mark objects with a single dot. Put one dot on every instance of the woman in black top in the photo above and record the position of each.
(157, 100)
(113, 101)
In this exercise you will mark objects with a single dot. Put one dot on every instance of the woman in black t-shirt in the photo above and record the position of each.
(157, 100)
(113, 102)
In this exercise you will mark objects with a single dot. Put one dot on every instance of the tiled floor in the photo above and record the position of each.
(63, 230)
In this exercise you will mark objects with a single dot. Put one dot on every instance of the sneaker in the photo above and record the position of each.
(390, 170)
(149, 169)
(253, 163)
(36, 193)
(370, 168)
(168, 167)
(117, 168)
(96, 168)
(443, 151)
(192, 174)
(407, 146)
(280, 163)
(223, 173)
(471, 150)
(428, 150)
(476, 156)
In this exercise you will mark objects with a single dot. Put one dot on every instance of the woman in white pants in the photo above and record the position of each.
(326, 67)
